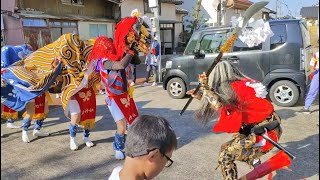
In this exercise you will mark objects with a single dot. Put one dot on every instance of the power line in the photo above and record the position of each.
(286, 5)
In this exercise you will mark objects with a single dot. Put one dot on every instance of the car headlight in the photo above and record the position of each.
(168, 64)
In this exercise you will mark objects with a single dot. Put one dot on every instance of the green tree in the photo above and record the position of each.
(197, 20)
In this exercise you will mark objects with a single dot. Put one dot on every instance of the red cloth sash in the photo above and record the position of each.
(127, 106)
(86, 98)
(8, 113)
(39, 107)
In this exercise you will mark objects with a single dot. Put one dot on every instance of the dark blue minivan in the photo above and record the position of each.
(279, 62)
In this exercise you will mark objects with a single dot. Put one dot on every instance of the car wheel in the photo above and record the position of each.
(284, 93)
(176, 88)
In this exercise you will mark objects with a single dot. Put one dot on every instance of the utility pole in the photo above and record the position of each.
(278, 9)
(220, 14)
(154, 4)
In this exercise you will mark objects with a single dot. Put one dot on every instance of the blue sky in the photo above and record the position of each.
(293, 5)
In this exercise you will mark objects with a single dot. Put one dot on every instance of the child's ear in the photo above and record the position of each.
(152, 155)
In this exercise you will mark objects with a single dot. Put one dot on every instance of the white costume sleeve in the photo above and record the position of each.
(259, 88)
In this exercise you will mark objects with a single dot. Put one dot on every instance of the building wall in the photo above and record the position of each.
(8, 5)
(168, 12)
(84, 32)
(13, 30)
(94, 8)
(178, 29)
(37, 37)
(208, 11)
(128, 5)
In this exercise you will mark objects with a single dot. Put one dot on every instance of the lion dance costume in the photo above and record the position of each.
(60, 67)
(64, 67)
(9, 56)
(242, 106)
(113, 59)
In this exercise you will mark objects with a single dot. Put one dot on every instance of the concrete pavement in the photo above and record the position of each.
(195, 158)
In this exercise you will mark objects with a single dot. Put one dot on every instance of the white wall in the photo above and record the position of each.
(128, 5)
(168, 12)
(83, 29)
(208, 10)
(178, 28)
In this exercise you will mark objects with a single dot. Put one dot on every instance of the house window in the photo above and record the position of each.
(237, 11)
(77, 2)
(62, 24)
(73, 2)
(57, 28)
(55, 24)
(34, 23)
(147, 9)
(96, 30)
(69, 24)
(166, 26)
(208, 25)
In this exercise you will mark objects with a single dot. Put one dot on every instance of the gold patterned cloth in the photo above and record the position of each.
(41, 70)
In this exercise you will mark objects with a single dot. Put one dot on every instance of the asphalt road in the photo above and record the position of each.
(195, 158)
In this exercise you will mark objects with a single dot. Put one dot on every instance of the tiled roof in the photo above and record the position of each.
(115, 1)
(176, 2)
(309, 12)
(65, 17)
(181, 11)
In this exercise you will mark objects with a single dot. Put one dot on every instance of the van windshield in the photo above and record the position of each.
(192, 43)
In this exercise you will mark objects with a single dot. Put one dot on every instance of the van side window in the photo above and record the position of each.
(211, 43)
(192, 43)
(279, 37)
(240, 46)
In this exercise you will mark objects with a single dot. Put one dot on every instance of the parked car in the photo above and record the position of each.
(279, 62)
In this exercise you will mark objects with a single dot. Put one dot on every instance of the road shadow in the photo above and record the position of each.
(185, 126)
(306, 164)
(96, 170)
(190, 132)
(102, 141)
(286, 114)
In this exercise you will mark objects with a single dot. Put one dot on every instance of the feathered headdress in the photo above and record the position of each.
(122, 30)
(103, 48)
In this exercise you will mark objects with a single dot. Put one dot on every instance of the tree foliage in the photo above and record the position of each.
(196, 21)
